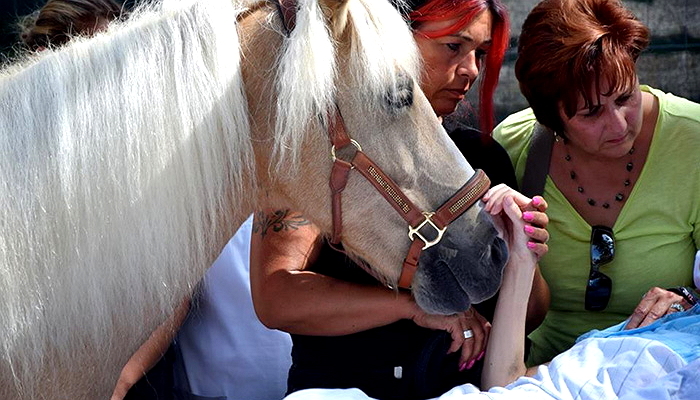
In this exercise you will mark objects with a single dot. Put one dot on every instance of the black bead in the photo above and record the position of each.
(591, 202)
(567, 157)
(619, 197)
(580, 189)
(606, 205)
(630, 166)
(573, 174)
(632, 150)
(627, 182)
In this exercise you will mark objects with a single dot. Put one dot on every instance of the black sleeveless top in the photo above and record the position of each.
(367, 360)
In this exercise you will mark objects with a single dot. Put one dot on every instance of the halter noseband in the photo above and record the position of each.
(469, 194)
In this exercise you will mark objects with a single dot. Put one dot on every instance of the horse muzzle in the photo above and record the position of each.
(453, 276)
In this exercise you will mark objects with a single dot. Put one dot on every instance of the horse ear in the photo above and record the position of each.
(337, 13)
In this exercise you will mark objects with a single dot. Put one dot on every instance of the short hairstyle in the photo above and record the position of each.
(465, 11)
(58, 20)
(568, 48)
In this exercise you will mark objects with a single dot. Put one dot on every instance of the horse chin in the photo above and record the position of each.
(450, 278)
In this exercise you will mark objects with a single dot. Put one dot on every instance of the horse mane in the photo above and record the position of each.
(379, 49)
(119, 157)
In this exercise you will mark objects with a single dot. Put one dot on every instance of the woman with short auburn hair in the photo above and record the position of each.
(622, 184)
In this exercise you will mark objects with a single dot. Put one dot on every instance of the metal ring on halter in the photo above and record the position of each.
(352, 142)
(677, 307)
(468, 334)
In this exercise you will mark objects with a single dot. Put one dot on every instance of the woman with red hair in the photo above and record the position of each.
(347, 329)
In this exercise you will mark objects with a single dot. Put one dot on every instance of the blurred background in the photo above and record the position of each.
(672, 62)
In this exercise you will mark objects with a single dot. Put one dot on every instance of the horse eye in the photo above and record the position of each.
(400, 96)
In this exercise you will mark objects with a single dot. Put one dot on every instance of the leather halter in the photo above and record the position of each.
(417, 219)
(455, 206)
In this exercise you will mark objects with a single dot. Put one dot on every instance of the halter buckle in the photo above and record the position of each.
(412, 232)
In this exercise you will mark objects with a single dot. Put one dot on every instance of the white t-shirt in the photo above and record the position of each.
(225, 349)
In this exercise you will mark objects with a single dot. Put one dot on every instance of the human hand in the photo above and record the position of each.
(533, 214)
(655, 304)
(458, 326)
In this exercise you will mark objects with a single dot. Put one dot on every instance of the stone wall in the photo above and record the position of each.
(672, 62)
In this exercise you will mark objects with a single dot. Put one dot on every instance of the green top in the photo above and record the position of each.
(657, 232)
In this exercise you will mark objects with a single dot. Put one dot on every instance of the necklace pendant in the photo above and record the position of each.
(619, 197)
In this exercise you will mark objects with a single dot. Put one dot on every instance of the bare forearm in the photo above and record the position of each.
(289, 297)
(538, 304)
(150, 352)
(505, 352)
(308, 303)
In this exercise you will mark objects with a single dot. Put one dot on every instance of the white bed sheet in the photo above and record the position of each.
(624, 368)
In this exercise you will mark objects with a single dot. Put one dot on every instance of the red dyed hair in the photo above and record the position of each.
(465, 11)
(568, 48)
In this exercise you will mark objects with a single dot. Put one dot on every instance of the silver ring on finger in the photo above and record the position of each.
(468, 333)
(676, 307)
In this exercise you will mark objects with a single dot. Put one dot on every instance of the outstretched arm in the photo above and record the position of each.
(505, 351)
(534, 223)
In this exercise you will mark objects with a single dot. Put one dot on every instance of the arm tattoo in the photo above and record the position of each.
(277, 221)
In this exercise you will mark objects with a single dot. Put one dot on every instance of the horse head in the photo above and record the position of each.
(358, 58)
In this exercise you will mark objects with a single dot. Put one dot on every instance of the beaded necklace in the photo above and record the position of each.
(619, 197)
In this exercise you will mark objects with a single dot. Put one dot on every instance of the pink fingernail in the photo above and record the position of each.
(529, 230)
(481, 355)
(471, 364)
(536, 201)
(527, 216)
(531, 245)
(462, 366)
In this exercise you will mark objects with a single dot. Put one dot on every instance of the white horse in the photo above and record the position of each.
(129, 159)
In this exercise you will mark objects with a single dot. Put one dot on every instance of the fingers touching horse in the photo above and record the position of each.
(128, 160)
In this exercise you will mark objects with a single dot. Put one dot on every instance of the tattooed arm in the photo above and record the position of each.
(288, 297)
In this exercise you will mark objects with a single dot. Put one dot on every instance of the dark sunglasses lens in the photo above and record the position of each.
(602, 247)
(598, 291)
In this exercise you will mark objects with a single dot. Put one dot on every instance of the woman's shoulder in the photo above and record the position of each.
(675, 106)
(515, 127)
(514, 133)
(678, 122)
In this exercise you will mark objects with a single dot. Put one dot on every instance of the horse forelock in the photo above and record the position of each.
(381, 54)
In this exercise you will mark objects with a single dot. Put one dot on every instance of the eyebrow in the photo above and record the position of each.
(469, 38)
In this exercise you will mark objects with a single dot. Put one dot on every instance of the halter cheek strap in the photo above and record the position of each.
(417, 220)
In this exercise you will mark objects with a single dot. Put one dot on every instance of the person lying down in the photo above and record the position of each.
(656, 362)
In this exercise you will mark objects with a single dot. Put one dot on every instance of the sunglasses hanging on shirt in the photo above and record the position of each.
(599, 285)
